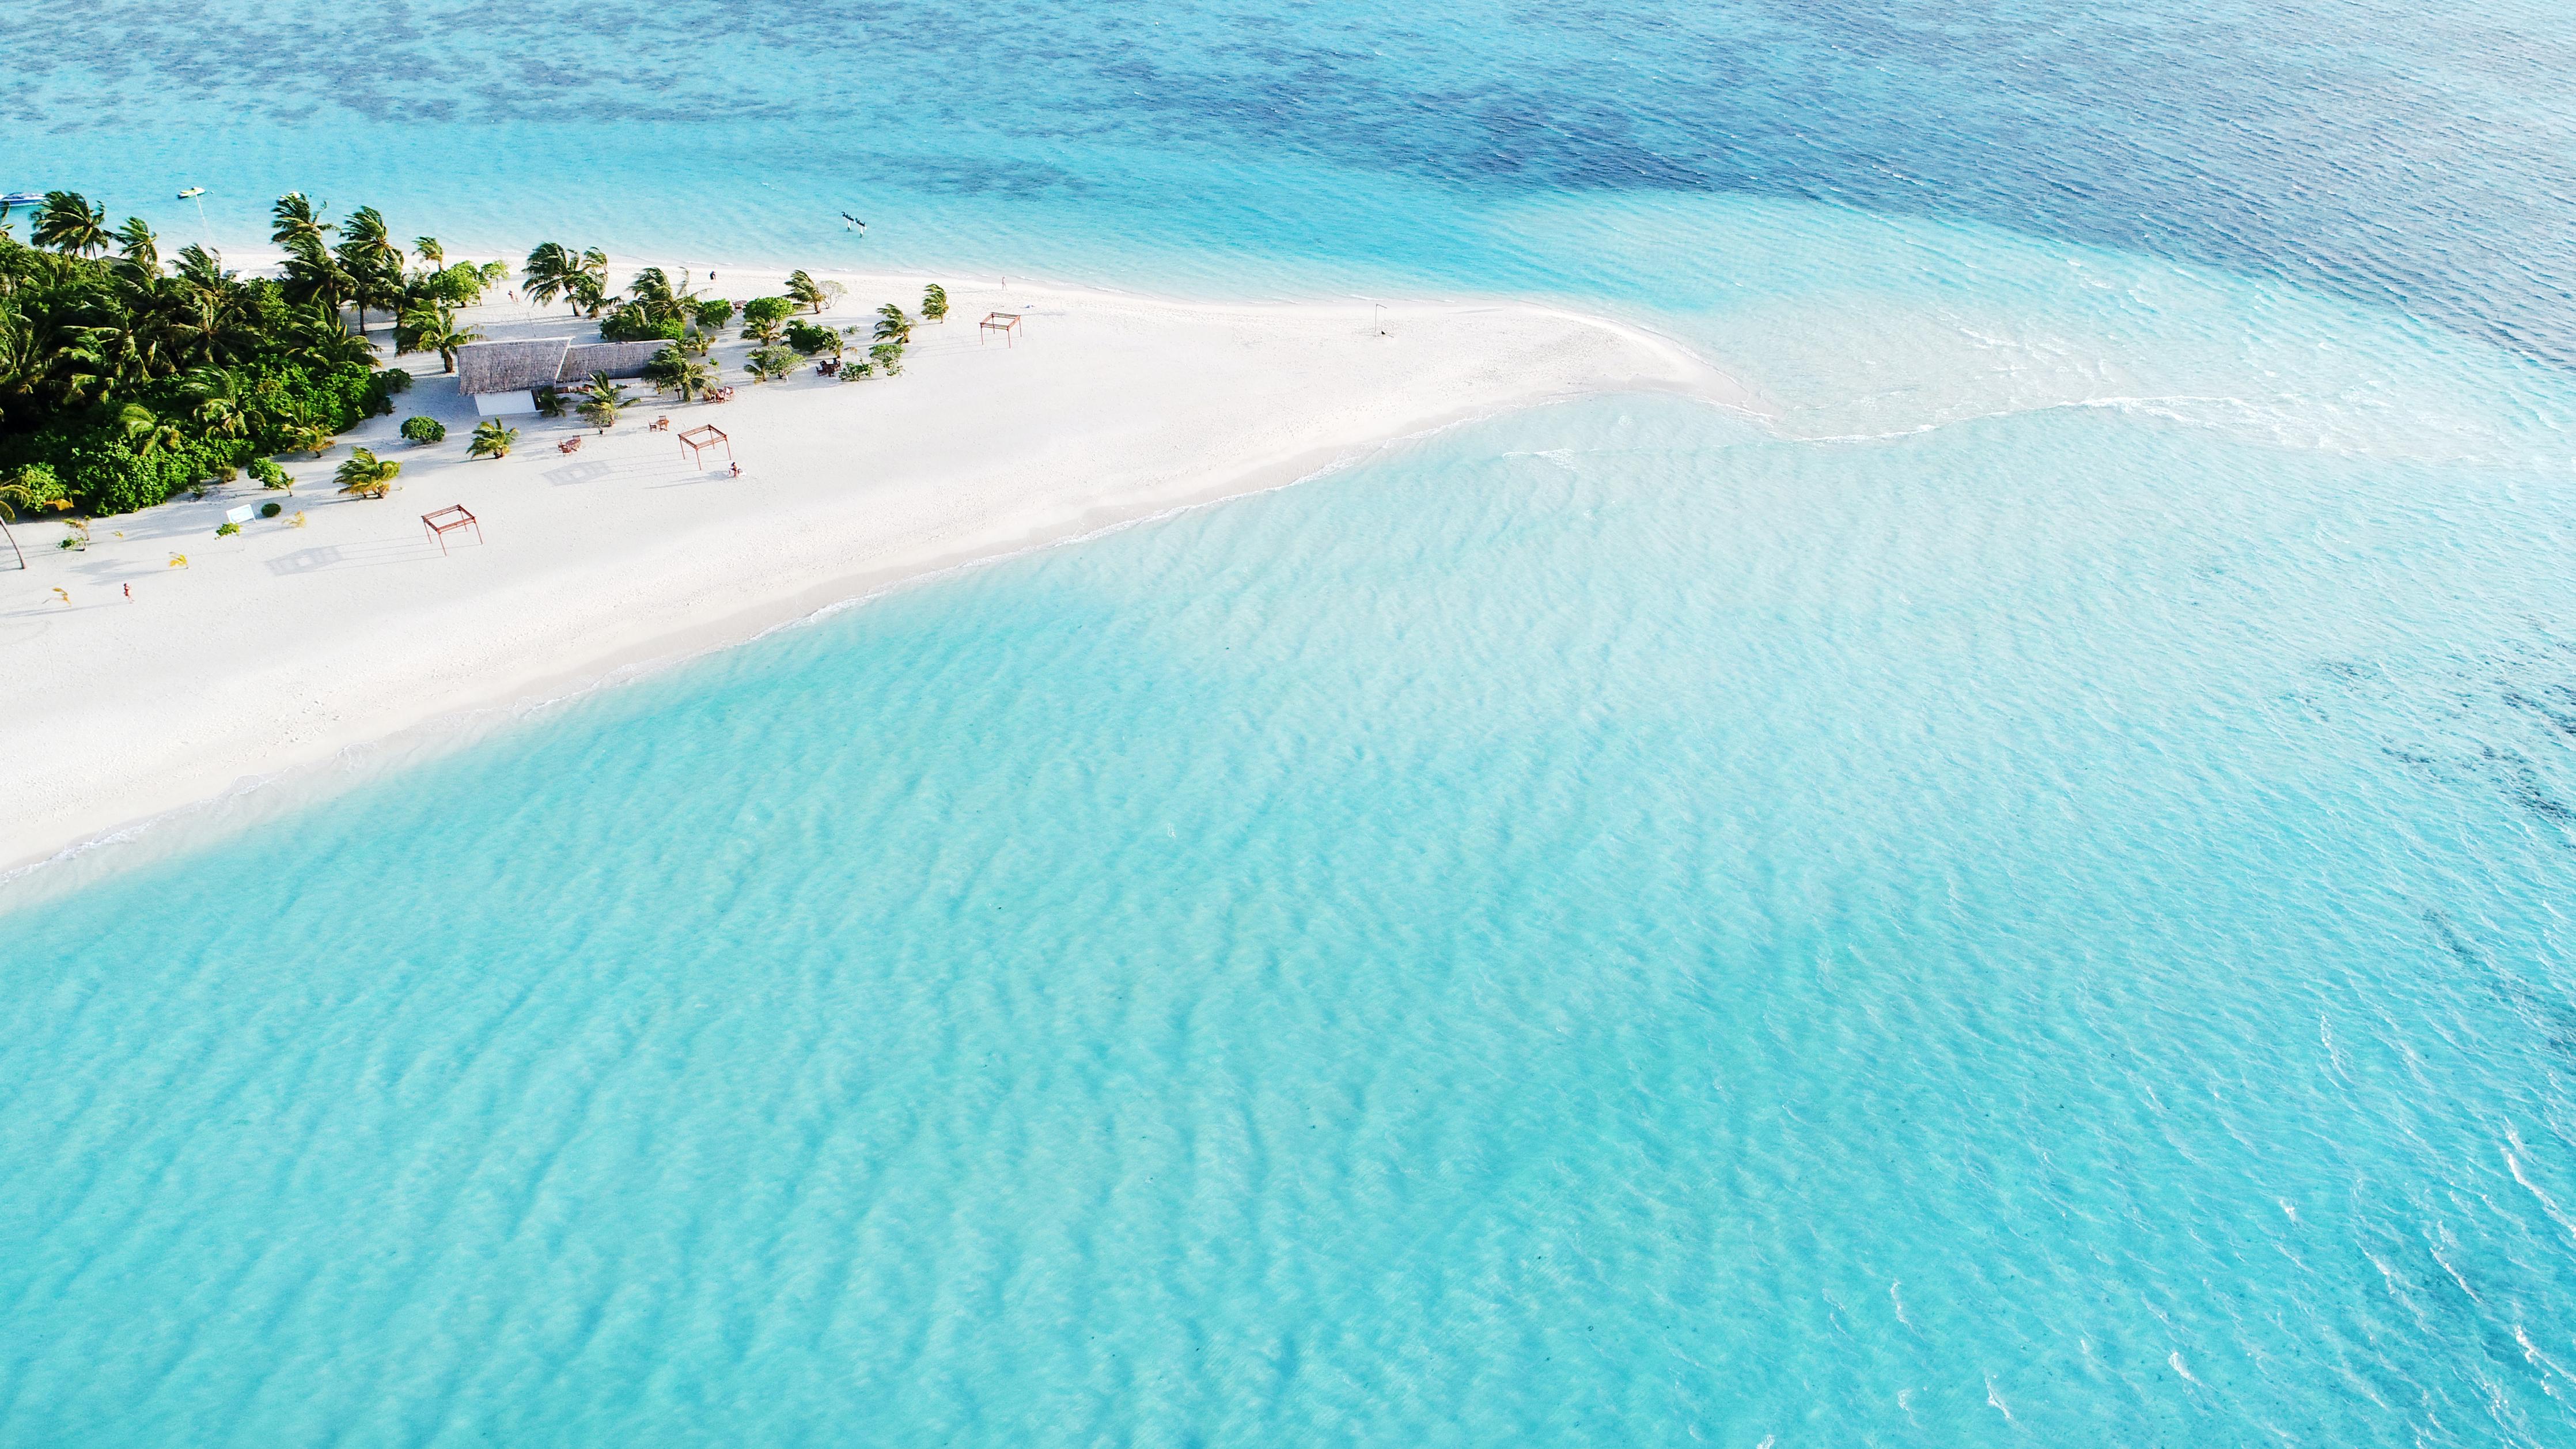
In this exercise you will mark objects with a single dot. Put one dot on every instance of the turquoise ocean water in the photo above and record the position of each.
(2022, 903)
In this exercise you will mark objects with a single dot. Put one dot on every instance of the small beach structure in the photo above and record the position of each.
(449, 519)
(503, 377)
(1006, 323)
(698, 439)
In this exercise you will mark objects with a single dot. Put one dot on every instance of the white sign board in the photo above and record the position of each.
(243, 514)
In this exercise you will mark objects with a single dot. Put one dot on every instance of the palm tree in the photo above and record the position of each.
(491, 440)
(934, 303)
(305, 436)
(366, 475)
(675, 371)
(434, 329)
(314, 275)
(892, 324)
(814, 295)
(296, 221)
(203, 269)
(67, 223)
(765, 363)
(146, 433)
(374, 264)
(601, 401)
(550, 271)
(20, 493)
(138, 248)
(660, 298)
(428, 250)
(320, 340)
(222, 404)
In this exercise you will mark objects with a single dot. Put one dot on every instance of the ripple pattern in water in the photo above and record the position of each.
(2403, 157)
(1606, 929)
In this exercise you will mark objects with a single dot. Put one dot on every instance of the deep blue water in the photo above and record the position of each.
(2023, 903)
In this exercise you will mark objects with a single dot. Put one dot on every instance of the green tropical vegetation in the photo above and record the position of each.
(934, 303)
(555, 271)
(366, 475)
(763, 316)
(28, 491)
(812, 295)
(125, 378)
(810, 340)
(491, 440)
(680, 373)
(768, 363)
(602, 400)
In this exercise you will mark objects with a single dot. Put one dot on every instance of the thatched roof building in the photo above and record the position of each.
(617, 359)
(489, 367)
(502, 377)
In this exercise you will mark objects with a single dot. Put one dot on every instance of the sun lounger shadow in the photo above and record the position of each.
(350, 556)
(590, 471)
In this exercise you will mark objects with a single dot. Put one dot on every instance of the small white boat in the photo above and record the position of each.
(192, 191)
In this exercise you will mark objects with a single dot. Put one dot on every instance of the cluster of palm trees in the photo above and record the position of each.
(104, 343)
(366, 270)
(123, 374)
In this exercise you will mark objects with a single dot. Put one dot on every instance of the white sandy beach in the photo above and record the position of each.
(277, 650)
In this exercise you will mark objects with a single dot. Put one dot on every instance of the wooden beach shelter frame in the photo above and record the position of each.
(1006, 323)
(449, 519)
(698, 439)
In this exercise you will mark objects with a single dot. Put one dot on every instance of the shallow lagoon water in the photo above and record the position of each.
(2024, 902)
(1576, 934)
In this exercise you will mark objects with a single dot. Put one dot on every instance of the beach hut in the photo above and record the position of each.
(502, 377)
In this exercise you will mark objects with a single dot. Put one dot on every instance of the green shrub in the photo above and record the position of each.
(627, 322)
(227, 529)
(268, 475)
(714, 312)
(44, 489)
(375, 394)
(271, 510)
(424, 430)
(809, 339)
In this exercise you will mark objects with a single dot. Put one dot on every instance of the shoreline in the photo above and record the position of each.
(1115, 409)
